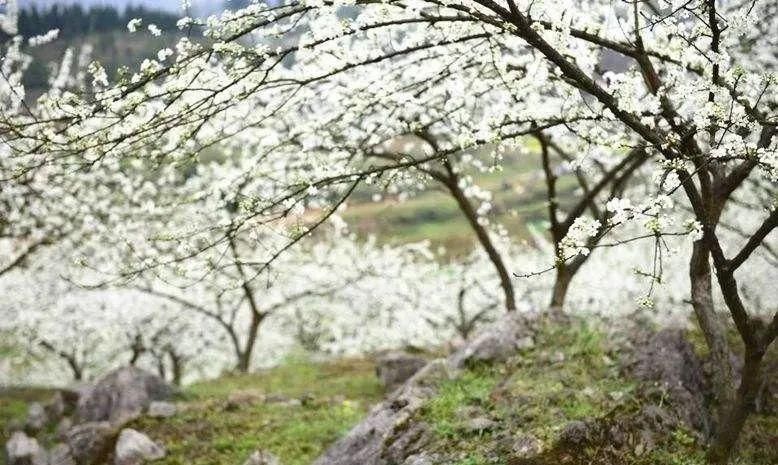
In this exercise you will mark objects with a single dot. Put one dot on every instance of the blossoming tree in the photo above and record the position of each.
(304, 92)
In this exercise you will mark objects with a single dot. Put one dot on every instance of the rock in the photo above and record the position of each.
(394, 368)
(90, 443)
(421, 459)
(61, 455)
(63, 427)
(135, 448)
(668, 360)
(478, 425)
(575, 433)
(24, 450)
(56, 407)
(525, 343)
(262, 457)
(389, 426)
(392, 426)
(161, 409)
(408, 441)
(496, 343)
(36, 417)
(239, 399)
(121, 395)
(526, 446)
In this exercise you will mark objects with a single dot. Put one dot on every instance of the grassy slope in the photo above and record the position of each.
(569, 375)
(336, 395)
(539, 392)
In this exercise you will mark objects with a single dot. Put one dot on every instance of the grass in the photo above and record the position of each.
(336, 396)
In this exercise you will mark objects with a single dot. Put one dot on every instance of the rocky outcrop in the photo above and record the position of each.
(667, 361)
(135, 448)
(122, 395)
(395, 368)
(24, 450)
(389, 434)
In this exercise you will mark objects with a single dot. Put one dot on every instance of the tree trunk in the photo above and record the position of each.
(559, 291)
(486, 242)
(565, 272)
(711, 325)
(734, 416)
(176, 366)
(161, 371)
(78, 373)
(244, 356)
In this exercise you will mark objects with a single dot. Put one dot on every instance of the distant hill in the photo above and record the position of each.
(102, 25)
(200, 7)
(75, 21)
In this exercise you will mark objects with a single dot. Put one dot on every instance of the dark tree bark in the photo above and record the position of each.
(452, 184)
(70, 358)
(713, 329)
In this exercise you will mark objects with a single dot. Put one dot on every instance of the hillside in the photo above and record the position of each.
(573, 393)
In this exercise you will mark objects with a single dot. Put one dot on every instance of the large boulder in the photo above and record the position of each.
(394, 368)
(135, 448)
(667, 361)
(91, 442)
(121, 395)
(24, 450)
(391, 434)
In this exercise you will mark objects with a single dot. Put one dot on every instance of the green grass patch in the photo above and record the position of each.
(335, 396)
(470, 389)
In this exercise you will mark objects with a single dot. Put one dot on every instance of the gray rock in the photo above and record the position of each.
(63, 427)
(135, 448)
(90, 443)
(525, 343)
(668, 360)
(479, 425)
(394, 368)
(24, 450)
(421, 459)
(61, 455)
(262, 457)
(526, 446)
(497, 342)
(575, 433)
(122, 395)
(390, 424)
(161, 409)
(36, 417)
